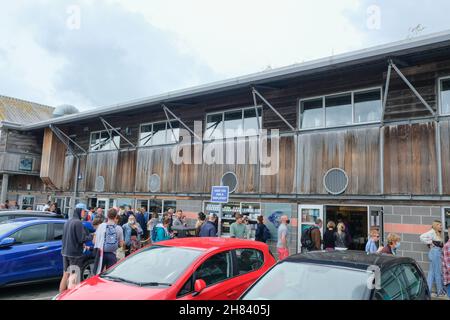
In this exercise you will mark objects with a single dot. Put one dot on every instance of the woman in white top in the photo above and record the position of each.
(435, 241)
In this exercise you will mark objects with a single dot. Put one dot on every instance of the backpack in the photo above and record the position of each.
(307, 241)
(154, 233)
(111, 239)
(266, 233)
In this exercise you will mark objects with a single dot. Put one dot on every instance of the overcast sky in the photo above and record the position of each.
(97, 53)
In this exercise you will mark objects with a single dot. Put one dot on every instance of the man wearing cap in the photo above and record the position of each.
(208, 229)
(73, 239)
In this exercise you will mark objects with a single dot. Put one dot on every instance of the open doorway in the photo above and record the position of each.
(355, 220)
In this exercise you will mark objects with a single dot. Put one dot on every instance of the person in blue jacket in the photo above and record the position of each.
(162, 230)
(209, 228)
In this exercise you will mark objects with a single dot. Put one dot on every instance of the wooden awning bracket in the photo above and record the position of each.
(402, 76)
(272, 107)
(62, 137)
(106, 124)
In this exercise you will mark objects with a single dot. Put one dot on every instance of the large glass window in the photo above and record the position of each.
(312, 114)
(445, 96)
(58, 229)
(159, 133)
(367, 106)
(101, 141)
(338, 110)
(235, 123)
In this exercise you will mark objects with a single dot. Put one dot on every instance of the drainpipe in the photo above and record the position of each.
(77, 173)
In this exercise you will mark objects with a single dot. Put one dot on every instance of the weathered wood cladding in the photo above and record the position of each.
(53, 160)
(354, 150)
(26, 143)
(10, 162)
(410, 159)
(20, 183)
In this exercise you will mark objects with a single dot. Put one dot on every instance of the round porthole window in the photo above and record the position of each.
(229, 179)
(154, 183)
(335, 181)
(100, 184)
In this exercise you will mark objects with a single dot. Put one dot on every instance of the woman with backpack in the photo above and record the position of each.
(262, 232)
(161, 231)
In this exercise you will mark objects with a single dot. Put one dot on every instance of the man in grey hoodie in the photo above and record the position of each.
(73, 239)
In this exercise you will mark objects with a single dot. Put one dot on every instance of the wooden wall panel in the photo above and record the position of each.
(445, 152)
(126, 171)
(53, 160)
(102, 164)
(410, 159)
(20, 182)
(354, 150)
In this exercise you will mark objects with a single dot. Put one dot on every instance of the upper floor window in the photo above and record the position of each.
(102, 140)
(235, 123)
(445, 96)
(159, 133)
(341, 110)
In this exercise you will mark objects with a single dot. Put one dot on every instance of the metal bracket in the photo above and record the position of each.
(167, 110)
(106, 125)
(402, 76)
(62, 136)
(272, 107)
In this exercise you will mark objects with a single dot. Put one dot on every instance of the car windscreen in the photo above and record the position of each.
(154, 266)
(305, 281)
(6, 227)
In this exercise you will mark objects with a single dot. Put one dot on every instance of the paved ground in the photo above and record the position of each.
(41, 291)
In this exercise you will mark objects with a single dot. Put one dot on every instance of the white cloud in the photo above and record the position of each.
(237, 37)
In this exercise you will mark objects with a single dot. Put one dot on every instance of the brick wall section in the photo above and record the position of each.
(410, 243)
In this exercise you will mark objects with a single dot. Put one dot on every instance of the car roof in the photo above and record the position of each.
(212, 244)
(34, 220)
(26, 212)
(352, 259)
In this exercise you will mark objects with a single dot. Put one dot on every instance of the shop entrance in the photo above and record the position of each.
(356, 220)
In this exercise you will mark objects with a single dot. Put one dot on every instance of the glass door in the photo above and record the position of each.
(307, 214)
(103, 203)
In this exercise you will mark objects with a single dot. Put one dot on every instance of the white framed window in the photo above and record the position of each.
(342, 109)
(159, 133)
(243, 122)
(101, 141)
(444, 95)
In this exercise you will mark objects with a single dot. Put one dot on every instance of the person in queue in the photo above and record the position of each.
(434, 239)
(238, 228)
(328, 236)
(262, 233)
(283, 238)
(371, 245)
(393, 244)
(162, 231)
(208, 229)
(201, 219)
(133, 234)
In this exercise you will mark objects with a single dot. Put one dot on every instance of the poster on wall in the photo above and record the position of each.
(26, 164)
(272, 214)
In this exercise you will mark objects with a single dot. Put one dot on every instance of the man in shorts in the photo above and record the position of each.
(73, 239)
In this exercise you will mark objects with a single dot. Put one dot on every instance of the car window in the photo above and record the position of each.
(392, 286)
(3, 218)
(187, 288)
(216, 269)
(413, 281)
(32, 234)
(58, 231)
(248, 260)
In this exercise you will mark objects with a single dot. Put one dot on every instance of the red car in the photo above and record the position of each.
(188, 268)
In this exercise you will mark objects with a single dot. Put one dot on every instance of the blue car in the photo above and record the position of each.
(30, 251)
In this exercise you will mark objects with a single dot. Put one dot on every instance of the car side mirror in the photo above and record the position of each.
(199, 286)
(7, 242)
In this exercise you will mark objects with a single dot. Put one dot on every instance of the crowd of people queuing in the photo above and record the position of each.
(114, 234)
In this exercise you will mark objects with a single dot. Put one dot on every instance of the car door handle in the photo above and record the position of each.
(42, 248)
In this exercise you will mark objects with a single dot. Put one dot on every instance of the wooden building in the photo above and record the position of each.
(364, 137)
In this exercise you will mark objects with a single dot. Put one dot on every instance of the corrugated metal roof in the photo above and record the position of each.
(23, 112)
